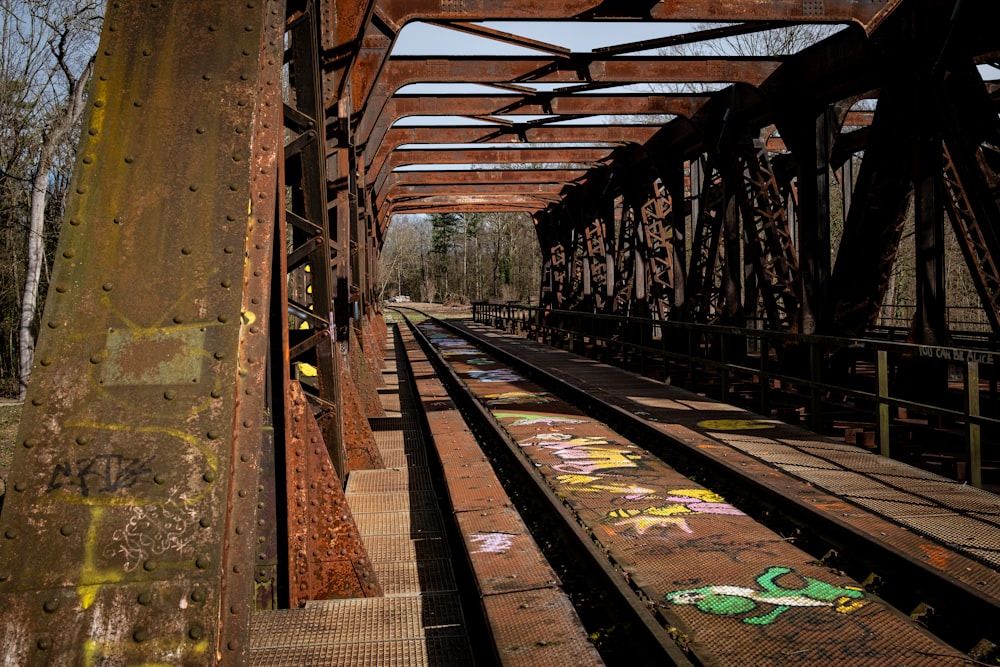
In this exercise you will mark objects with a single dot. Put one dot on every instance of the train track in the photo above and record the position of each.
(693, 571)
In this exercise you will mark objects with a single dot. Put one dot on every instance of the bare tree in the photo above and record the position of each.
(51, 62)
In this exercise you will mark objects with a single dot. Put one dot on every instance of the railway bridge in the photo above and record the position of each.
(240, 163)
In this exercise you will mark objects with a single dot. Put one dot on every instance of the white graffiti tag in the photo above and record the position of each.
(491, 543)
(151, 530)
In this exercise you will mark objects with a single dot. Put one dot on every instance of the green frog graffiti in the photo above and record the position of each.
(735, 600)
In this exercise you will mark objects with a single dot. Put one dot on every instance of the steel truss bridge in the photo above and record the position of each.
(239, 167)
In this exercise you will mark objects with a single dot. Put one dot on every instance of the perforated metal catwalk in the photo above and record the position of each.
(420, 620)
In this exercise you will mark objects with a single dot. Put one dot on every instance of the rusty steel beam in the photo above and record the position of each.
(560, 104)
(513, 181)
(489, 155)
(486, 205)
(654, 208)
(473, 189)
(769, 241)
(867, 14)
(463, 203)
(403, 11)
(130, 531)
(375, 157)
(404, 70)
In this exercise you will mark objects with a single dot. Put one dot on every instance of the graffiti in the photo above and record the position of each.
(564, 437)
(597, 484)
(458, 351)
(151, 530)
(738, 600)
(451, 342)
(480, 361)
(683, 502)
(587, 459)
(491, 543)
(497, 375)
(734, 424)
(527, 419)
(702, 501)
(104, 473)
(508, 397)
(642, 521)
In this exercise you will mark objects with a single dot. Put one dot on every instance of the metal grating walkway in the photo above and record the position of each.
(419, 621)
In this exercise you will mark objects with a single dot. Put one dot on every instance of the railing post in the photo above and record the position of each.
(881, 406)
(971, 427)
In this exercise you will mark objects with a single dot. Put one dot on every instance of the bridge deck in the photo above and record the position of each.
(924, 525)
(895, 501)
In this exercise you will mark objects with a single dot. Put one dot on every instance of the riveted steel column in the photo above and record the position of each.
(127, 537)
(814, 221)
(874, 226)
(708, 206)
(931, 326)
(305, 154)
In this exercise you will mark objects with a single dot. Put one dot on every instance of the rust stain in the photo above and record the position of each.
(937, 556)
(327, 558)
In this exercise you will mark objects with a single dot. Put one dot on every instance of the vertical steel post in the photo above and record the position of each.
(128, 533)
(972, 429)
(814, 221)
(930, 325)
(881, 406)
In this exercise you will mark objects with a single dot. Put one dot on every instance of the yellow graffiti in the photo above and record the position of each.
(734, 424)
(576, 479)
(91, 649)
(588, 486)
(651, 517)
(667, 510)
(92, 578)
(587, 460)
(846, 605)
(701, 494)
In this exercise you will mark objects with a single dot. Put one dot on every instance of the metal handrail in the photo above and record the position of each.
(718, 347)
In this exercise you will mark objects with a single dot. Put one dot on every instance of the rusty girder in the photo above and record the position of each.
(708, 204)
(373, 51)
(516, 134)
(491, 155)
(587, 70)
(598, 267)
(154, 408)
(654, 211)
(130, 531)
(767, 231)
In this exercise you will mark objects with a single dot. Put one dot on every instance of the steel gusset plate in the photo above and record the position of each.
(327, 558)
(127, 537)
(360, 448)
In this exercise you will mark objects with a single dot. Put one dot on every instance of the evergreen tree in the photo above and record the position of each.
(444, 229)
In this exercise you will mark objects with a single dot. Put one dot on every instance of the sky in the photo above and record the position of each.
(422, 39)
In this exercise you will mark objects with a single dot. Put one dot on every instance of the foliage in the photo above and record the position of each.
(44, 46)
(460, 258)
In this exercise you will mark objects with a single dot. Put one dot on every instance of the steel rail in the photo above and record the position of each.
(944, 594)
(652, 641)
